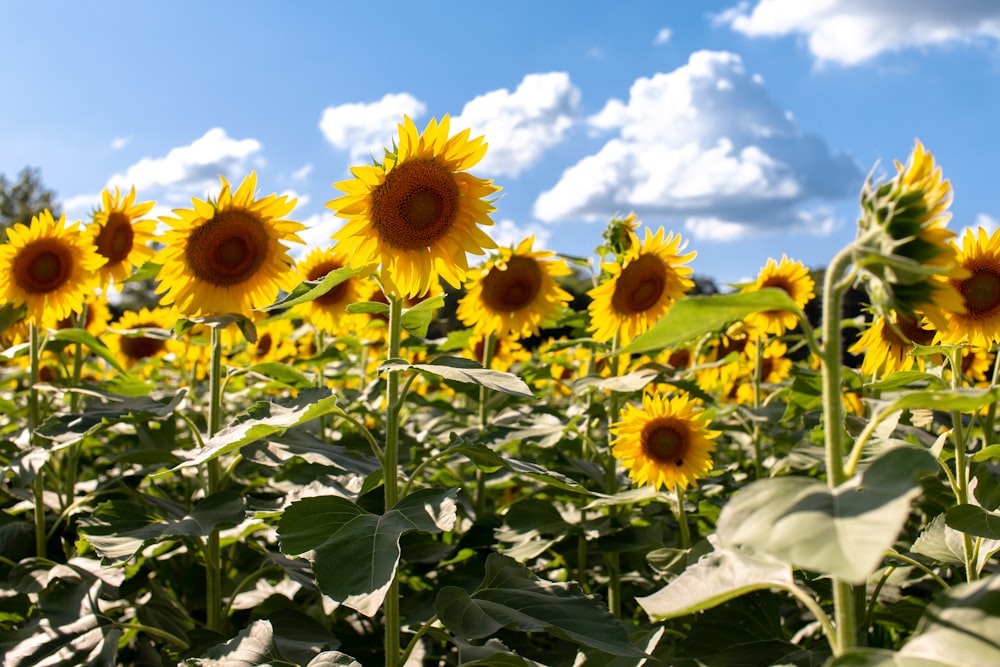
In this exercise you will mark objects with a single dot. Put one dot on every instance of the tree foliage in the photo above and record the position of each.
(25, 197)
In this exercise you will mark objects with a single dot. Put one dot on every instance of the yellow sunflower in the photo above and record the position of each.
(416, 215)
(328, 313)
(227, 256)
(887, 347)
(121, 235)
(515, 293)
(95, 319)
(979, 290)
(775, 368)
(131, 347)
(639, 291)
(665, 443)
(49, 266)
(794, 279)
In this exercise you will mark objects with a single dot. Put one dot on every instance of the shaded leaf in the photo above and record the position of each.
(974, 520)
(91, 342)
(961, 627)
(68, 429)
(417, 320)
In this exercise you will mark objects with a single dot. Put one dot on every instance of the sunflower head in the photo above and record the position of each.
(48, 266)
(228, 256)
(138, 336)
(417, 214)
(638, 291)
(121, 235)
(978, 321)
(888, 342)
(328, 312)
(515, 293)
(619, 236)
(794, 279)
(903, 245)
(665, 443)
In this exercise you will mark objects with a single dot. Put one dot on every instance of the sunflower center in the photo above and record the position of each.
(141, 347)
(910, 328)
(982, 292)
(416, 205)
(337, 292)
(43, 266)
(114, 241)
(514, 288)
(640, 285)
(663, 443)
(228, 249)
(264, 344)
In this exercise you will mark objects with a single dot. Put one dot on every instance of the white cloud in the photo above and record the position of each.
(703, 143)
(191, 170)
(507, 233)
(120, 142)
(850, 32)
(319, 228)
(79, 207)
(984, 221)
(663, 36)
(301, 173)
(521, 125)
(364, 130)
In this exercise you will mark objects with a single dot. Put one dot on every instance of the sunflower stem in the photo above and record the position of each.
(488, 343)
(34, 417)
(390, 481)
(991, 412)
(961, 486)
(845, 613)
(213, 552)
(758, 370)
(613, 559)
(682, 523)
(73, 453)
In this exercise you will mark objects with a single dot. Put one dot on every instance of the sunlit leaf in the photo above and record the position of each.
(91, 342)
(974, 520)
(309, 290)
(961, 628)
(417, 319)
(465, 370)
(283, 373)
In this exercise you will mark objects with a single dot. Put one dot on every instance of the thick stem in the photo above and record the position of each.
(961, 486)
(34, 418)
(390, 476)
(613, 559)
(484, 394)
(682, 522)
(758, 370)
(213, 549)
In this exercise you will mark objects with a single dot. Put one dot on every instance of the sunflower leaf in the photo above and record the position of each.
(93, 344)
(309, 290)
(417, 319)
(368, 308)
(465, 370)
(147, 271)
(695, 316)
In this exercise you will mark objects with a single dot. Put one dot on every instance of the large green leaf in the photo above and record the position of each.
(974, 520)
(333, 531)
(106, 410)
(843, 531)
(961, 628)
(263, 420)
(120, 528)
(265, 643)
(877, 657)
(464, 370)
(309, 290)
(91, 342)
(417, 320)
(944, 544)
(511, 596)
(696, 316)
(720, 576)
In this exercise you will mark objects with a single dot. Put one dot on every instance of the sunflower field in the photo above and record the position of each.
(381, 454)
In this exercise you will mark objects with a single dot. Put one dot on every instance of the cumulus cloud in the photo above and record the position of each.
(507, 233)
(191, 170)
(120, 142)
(705, 144)
(663, 36)
(850, 32)
(521, 125)
(319, 228)
(301, 173)
(365, 130)
(985, 221)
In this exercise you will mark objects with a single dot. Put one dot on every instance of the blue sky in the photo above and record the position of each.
(747, 128)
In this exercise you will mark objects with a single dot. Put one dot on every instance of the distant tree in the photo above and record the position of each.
(24, 198)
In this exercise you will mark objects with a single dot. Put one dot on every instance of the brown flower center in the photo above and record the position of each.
(981, 291)
(416, 205)
(515, 288)
(114, 241)
(338, 292)
(663, 442)
(43, 266)
(640, 285)
(910, 328)
(141, 347)
(680, 358)
(228, 249)
(264, 344)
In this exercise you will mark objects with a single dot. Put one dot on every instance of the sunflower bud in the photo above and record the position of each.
(619, 236)
(903, 246)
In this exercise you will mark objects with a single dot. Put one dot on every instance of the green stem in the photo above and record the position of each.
(484, 394)
(613, 559)
(72, 471)
(962, 464)
(758, 370)
(213, 549)
(423, 630)
(845, 613)
(34, 418)
(390, 475)
(920, 566)
(991, 412)
(820, 615)
(682, 522)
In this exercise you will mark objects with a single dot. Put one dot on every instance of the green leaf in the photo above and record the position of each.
(961, 627)
(68, 429)
(716, 578)
(368, 308)
(253, 646)
(284, 374)
(877, 657)
(91, 342)
(333, 531)
(510, 596)
(843, 531)
(974, 520)
(417, 319)
(147, 271)
(696, 316)
(263, 420)
(120, 528)
(464, 370)
(963, 399)
(309, 290)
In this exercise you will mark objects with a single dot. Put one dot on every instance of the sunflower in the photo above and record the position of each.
(665, 443)
(328, 313)
(794, 279)
(227, 256)
(95, 319)
(416, 215)
(515, 292)
(887, 346)
(49, 267)
(979, 324)
(131, 346)
(121, 235)
(639, 291)
(775, 368)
